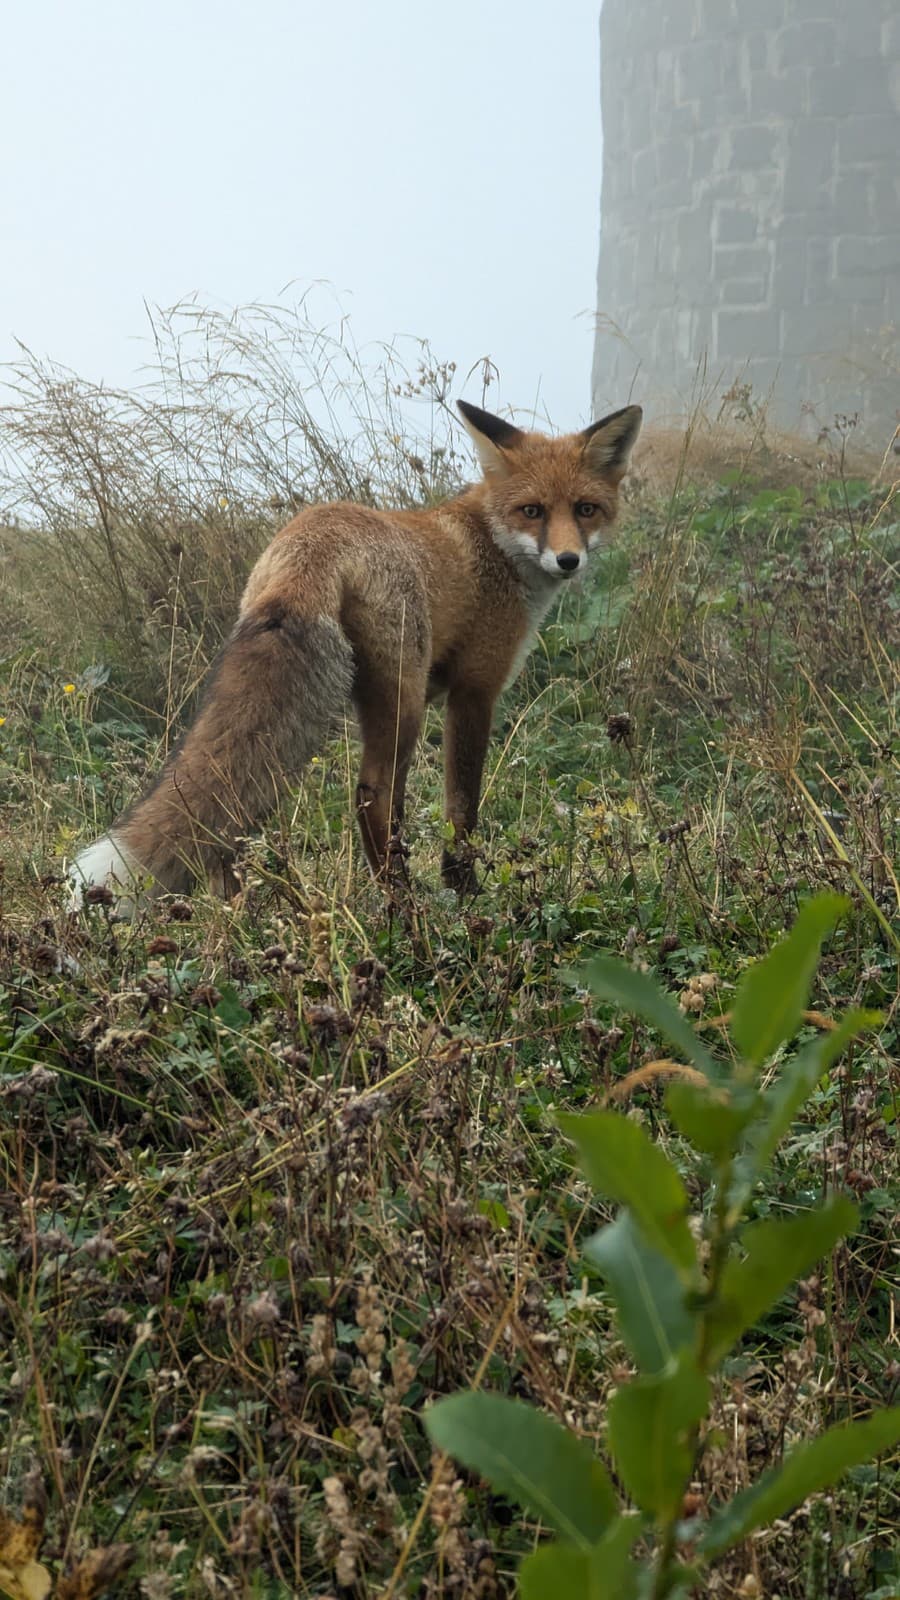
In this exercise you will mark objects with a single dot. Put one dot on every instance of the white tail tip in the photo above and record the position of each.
(106, 864)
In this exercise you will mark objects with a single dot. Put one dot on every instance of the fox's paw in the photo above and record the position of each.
(458, 870)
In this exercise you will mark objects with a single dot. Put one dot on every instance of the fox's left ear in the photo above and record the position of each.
(608, 443)
(491, 436)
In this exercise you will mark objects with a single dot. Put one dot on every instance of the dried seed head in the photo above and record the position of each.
(263, 1311)
(206, 994)
(97, 894)
(321, 1346)
(619, 728)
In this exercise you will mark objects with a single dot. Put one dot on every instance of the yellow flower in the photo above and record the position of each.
(68, 688)
(2, 720)
(223, 502)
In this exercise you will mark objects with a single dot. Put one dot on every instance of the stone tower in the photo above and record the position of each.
(750, 218)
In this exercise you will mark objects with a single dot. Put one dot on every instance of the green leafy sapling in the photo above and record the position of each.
(680, 1308)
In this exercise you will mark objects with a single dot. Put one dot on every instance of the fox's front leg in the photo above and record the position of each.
(466, 736)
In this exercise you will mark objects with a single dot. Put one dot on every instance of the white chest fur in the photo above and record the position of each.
(539, 590)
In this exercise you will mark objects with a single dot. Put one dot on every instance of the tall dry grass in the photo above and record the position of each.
(133, 515)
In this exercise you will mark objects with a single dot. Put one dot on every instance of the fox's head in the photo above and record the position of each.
(550, 501)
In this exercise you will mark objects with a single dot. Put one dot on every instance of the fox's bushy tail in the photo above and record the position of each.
(280, 685)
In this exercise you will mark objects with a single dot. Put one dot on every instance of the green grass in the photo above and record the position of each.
(276, 1173)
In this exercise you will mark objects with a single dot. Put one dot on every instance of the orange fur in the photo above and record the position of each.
(389, 609)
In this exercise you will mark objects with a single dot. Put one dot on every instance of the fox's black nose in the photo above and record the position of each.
(568, 560)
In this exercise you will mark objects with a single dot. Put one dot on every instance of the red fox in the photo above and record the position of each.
(387, 610)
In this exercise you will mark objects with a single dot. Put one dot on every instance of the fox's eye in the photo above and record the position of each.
(532, 512)
(586, 508)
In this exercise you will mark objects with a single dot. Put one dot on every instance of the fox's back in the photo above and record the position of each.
(443, 556)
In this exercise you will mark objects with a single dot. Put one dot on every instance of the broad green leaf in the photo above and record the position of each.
(772, 994)
(622, 1161)
(495, 1211)
(796, 1082)
(558, 1569)
(229, 1010)
(652, 1423)
(540, 1464)
(634, 991)
(605, 1572)
(653, 1319)
(777, 1252)
(713, 1119)
(807, 1470)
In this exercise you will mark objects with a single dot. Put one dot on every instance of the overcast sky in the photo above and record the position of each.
(438, 164)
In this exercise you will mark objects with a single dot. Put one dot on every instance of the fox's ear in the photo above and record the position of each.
(491, 436)
(608, 443)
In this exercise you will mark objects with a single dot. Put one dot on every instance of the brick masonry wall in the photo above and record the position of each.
(750, 213)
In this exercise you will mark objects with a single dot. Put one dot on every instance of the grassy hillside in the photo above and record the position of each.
(276, 1172)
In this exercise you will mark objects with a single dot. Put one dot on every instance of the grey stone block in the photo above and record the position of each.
(741, 334)
(779, 96)
(717, 17)
(878, 255)
(735, 225)
(728, 108)
(705, 149)
(793, 223)
(812, 330)
(807, 202)
(879, 336)
(677, 22)
(732, 77)
(859, 40)
(811, 164)
(669, 196)
(853, 206)
(789, 273)
(761, 14)
(868, 139)
(755, 52)
(883, 189)
(698, 70)
(701, 332)
(684, 121)
(692, 252)
(643, 171)
(835, 92)
(820, 269)
(743, 291)
(809, 10)
(866, 289)
(743, 261)
(806, 44)
(890, 38)
(674, 163)
(754, 145)
(645, 265)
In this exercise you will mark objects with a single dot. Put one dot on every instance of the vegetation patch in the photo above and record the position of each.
(280, 1175)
